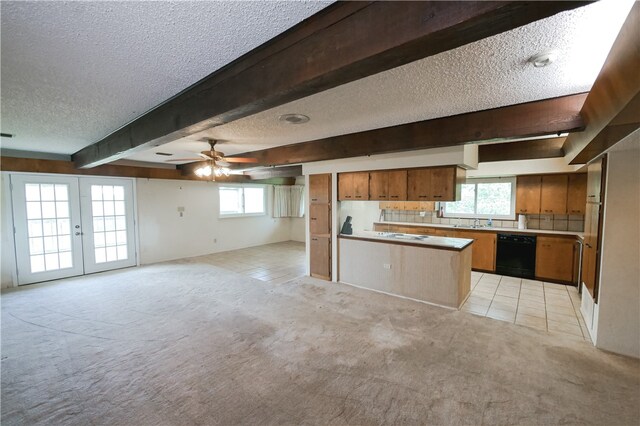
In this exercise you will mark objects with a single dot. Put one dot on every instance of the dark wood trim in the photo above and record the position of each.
(345, 42)
(30, 165)
(612, 109)
(521, 150)
(277, 172)
(529, 119)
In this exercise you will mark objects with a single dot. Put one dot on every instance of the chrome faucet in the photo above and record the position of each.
(476, 223)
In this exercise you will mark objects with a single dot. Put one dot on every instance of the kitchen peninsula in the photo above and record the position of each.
(435, 270)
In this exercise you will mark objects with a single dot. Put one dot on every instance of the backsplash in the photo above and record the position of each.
(558, 222)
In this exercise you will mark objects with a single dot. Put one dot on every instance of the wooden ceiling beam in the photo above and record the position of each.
(557, 115)
(612, 109)
(346, 41)
(521, 150)
(274, 172)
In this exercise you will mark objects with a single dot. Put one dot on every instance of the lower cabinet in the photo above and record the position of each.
(320, 264)
(555, 258)
(483, 249)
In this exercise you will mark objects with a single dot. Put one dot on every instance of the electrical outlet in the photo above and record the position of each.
(386, 265)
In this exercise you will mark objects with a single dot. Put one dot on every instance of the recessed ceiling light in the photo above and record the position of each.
(166, 154)
(294, 118)
(543, 59)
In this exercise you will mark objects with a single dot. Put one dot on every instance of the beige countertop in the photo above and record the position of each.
(423, 240)
(488, 229)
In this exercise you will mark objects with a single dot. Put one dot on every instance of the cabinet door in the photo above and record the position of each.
(320, 188)
(360, 186)
(319, 215)
(554, 258)
(397, 181)
(577, 194)
(427, 206)
(553, 194)
(483, 250)
(594, 181)
(590, 256)
(398, 205)
(528, 194)
(345, 186)
(419, 185)
(412, 205)
(385, 205)
(443, 184)
(378, 185)
(320, 257)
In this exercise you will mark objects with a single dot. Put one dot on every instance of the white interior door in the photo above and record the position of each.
(47, 225)
(107, 223)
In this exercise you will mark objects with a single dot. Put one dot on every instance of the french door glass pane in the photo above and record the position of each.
(108, 210)
(48, 227)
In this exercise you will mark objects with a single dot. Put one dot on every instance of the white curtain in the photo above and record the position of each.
(288, 201)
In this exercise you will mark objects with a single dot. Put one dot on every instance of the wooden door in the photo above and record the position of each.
(320, 188)
(594, 181)
(590, 258)
(320, 248)
(320, 226)
(361, 186)
(443, 184)
(419, 185)
(397, 185)
(379, 186)
(554, 258)
(528, 194)
(345, 186)
(319, 215)
(577, 193)
(553, 194)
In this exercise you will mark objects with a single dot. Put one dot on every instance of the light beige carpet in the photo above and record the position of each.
(188, 343)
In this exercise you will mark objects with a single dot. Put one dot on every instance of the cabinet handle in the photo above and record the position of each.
(313, 218)
(314, 239)
(382, 196)
(437, 196)
(314, 199)
(358, 196)
(523, 210)
(422, 196)
(591, 196)
(394, 196)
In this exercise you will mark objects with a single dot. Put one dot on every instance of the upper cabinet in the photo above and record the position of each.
(577, 194)
(353, 186)
(320, 188)
(528, 194)
(435, 184)
(553, 194)
(397, 185)
(379, 186)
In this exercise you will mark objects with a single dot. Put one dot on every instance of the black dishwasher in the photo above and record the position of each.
(516, 255)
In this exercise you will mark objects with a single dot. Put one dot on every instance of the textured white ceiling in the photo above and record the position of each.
(489, 73)
(73, 72)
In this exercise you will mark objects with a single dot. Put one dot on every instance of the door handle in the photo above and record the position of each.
(79, 233)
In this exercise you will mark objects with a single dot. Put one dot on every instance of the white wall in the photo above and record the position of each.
(617, 314)
(297, 227)
(7, 252)
(164, 235)
(522, 167)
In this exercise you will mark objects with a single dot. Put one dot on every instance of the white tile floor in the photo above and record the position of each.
(274, 263)
(541, 305)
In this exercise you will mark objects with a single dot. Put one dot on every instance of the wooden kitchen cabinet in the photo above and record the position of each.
(577, 193)
(320, 257)
(353, 186)
(379, 185)
(319, 215)
(555, 258)
(320, 225)
(427, 206)
(320, 188)
(443, 182)
(483, 250)
(553, 194)
(412, 205)
(397, 185)
(528, 194)
(419, 185)
(594, 181)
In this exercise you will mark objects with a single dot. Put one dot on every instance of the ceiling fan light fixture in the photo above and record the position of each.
(294, 118)
(204, 171)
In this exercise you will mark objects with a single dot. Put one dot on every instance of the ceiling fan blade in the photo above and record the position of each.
(205, 155)
(240, 160)
(175, 160)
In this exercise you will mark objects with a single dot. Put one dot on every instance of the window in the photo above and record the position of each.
(242, 200)
(485, 198)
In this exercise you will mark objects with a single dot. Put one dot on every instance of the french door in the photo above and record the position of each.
(67, 226)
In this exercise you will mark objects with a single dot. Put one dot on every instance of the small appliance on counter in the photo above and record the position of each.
(346, 227)
(522, 222)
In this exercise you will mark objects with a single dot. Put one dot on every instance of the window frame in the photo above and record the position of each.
(265, 196)
(475, 215)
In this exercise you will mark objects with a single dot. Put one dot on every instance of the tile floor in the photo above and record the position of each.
(541, 305)
(274, 263)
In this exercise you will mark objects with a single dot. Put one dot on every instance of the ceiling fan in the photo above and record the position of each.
(216, 156)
